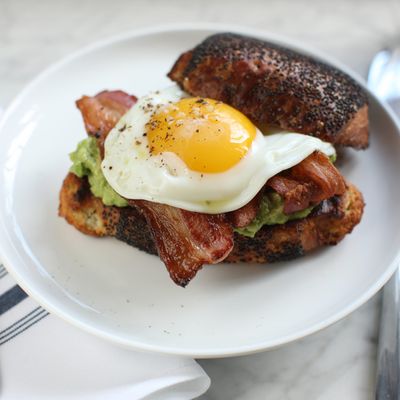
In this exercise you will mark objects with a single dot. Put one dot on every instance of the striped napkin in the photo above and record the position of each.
(41, 356)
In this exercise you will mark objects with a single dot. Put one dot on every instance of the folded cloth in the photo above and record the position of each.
(41, 356)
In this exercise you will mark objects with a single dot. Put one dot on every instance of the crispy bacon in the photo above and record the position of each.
(101, 112)
(244, 215)
(296, 195)
(186, 240)
(308, 183)
(324, 176)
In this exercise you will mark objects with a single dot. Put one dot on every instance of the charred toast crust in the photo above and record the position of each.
(326, 225)
(274, 85)
(131, 227)
(89, 215)
(80, 208)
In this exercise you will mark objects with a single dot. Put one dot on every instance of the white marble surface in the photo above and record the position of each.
(338, 363)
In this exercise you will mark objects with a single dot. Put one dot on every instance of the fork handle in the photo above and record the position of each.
(388, 371)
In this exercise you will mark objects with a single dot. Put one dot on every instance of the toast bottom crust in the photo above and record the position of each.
(326, 225)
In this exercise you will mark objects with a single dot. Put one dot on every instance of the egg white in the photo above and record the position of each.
(135, 174)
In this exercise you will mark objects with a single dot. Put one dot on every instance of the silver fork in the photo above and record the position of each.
(384, 81)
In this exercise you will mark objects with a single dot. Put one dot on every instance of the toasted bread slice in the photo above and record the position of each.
(326, 225)
(276, 86)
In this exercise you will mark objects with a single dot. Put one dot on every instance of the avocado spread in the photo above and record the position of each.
(86, 161)
(271, 213)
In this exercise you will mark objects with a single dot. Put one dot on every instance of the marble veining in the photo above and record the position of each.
(337, 363)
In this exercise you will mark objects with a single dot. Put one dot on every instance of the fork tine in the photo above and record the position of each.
(378, 65)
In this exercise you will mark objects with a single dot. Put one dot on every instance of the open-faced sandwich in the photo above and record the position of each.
(233, 163)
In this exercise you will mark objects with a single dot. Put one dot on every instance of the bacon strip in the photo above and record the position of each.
(318, 170)
(308, 183)
(243, 216)
(101, 112)
(186, 240)
(296, 195)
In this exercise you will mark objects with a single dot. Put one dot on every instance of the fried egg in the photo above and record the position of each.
(197, 154)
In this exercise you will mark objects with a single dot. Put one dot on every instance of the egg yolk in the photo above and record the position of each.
(209, 136)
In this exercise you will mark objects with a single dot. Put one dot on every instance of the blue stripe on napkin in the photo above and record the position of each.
(11, 298)
(27, 323)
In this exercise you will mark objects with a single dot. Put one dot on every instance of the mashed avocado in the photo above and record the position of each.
(270, 213)
(86, 162)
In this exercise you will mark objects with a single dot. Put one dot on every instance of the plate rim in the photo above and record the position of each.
(164, 349)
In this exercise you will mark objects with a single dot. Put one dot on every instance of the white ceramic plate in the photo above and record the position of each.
(122, 294)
